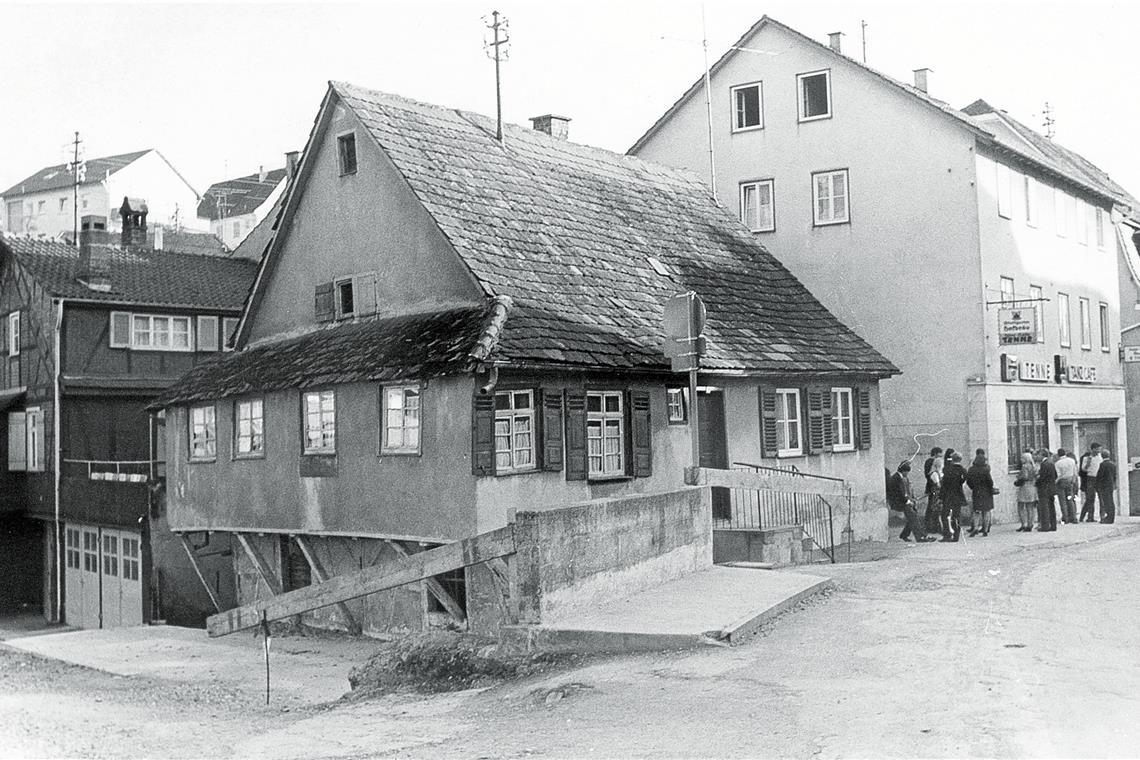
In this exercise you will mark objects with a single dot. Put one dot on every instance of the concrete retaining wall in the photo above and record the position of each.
(779, 546)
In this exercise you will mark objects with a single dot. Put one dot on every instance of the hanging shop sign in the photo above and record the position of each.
(1131, 354)
(1017, 326)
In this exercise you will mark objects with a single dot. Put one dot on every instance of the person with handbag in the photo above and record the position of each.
(982, 491)
(1026, 492)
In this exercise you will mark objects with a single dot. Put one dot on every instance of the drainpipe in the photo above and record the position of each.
(58, 464)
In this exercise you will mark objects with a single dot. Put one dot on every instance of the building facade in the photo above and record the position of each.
(925, 228)
(234, 207)
(91, 334)
(485, 336)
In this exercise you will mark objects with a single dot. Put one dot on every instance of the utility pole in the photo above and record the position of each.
(77, 172)
(708, 103)
(497, 49)
(863, 25)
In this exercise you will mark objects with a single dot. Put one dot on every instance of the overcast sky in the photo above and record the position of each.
(223, 89)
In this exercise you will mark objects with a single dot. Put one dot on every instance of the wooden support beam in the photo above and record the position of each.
(759, 481)
(198, 571)
(469, 551)
(434, 587)
(272, 582)
(501, 576)
(321, 576)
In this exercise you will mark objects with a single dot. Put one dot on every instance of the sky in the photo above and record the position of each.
(222, 89)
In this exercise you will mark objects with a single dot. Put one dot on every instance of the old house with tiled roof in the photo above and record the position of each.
(90, 334)
(447, 327)
(980, 255)
(49, 204)
(234, 207)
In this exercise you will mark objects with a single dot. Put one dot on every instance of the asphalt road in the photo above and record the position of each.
(1013, 645)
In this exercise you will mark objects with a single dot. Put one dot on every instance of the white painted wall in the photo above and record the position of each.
(153, 179)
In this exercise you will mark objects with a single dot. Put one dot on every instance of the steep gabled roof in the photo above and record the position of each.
(54, 177)
(142, 277)
(1056, 161)
(241, 195)
(589, 244)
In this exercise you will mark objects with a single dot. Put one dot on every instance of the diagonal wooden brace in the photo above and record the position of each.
(272, 582)
(322, 576)
(434, 587)
(198, 571)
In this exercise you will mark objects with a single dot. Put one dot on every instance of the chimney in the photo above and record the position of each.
(261, 173)
(133, 213)
(158, 238)
(555, 126)
(835, 41)
(922, 79)
(291, 159)
(95, 253)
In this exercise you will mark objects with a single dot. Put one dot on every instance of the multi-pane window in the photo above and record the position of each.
(73, 548)
(757, 205)
(1038, 299)
(1099, 227)
(842, 420)
(130, 559)
(815, 95)
(14, 334)
(1027, 429)
(203, 432)
(1086, 326)
(1007, 290)
(747, 107)
(249, 428)
(1004, 191)
(605, 433)
(110, 555)
(90, 551)
(401, 419)
(320, 422)
(157, 333)
(346, 153)
(675, 401)
(514, 431)
(1031, 200)
(789, 424)
(829, 197)
(1104, 339)
(1064, 329)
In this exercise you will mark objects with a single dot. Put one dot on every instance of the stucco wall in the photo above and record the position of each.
(166, 193)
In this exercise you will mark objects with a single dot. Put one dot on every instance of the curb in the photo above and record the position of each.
(746, 626)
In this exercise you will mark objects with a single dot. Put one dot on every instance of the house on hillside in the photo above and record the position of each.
(976, 253)
(234, 207)
(447, 328)
(90, 335)
(44, 203)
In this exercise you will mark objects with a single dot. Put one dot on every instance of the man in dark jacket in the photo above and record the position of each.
(953, 497)
(1106, 487)
(1046, 491)
(900, 497)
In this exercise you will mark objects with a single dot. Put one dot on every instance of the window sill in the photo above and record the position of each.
(821, 117)
(761, 232)
(239, 457)
(203, 460)
(830, 224)
(511, 473)
(608, 478)
(400, 453)
(738, 130)
(679, 423)
(842, 449)
(319, 453)
(348, 174)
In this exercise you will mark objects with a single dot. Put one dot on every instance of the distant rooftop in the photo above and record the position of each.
(55, 177)
(241, 195)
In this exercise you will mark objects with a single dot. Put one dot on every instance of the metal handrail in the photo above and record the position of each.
(790, 470)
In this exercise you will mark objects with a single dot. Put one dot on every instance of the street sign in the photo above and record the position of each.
(685, 362)
(684, 316)
(1017, 326)
(1131, 354)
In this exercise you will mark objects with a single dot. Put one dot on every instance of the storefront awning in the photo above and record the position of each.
(9, 396)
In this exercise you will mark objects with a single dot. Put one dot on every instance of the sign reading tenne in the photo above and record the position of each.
(1017, 326)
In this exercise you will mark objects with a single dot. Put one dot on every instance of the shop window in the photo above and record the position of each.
(1027, 429)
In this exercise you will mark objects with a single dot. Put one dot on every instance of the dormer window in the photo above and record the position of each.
(815, 95)
(346, 151)
(344, 302)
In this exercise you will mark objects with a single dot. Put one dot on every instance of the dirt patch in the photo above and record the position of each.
(443, 661)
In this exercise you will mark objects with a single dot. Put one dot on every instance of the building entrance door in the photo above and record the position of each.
(1104, 433)
(102, 577)
(714, 443)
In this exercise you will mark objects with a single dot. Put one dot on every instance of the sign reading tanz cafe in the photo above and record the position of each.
(1059, 371)
(1017, 326)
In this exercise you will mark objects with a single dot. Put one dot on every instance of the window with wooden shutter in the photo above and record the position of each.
(34, 449)
(863, 408)
(552, 451)
(577, 465)
(323, 302)
(207, 333)
(364, 294)
(828, 419)
(14, 333)
(483, 434)
(815, 421)
(769, 435)
(17, 442)
(641, 434)
(120, 329)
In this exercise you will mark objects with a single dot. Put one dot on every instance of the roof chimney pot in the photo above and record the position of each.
(835, 41)
(95, 253)
(261, 173)
(922, 79)
(291, 159)
(555, 126)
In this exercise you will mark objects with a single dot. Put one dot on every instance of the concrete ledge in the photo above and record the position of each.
(748, 625)
(541, 638)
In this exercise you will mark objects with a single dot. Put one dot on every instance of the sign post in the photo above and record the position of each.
(684, 344)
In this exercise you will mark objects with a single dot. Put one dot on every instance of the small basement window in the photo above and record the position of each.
(346, 151)
(344, 301)
(815, 95)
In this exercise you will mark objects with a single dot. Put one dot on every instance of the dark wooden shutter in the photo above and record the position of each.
(552, 452)
(577, 464)
(769, 437)
(323, 303)
(483, 434)
(815, 433)
(863, 413)
(828, 420)
(642, 437)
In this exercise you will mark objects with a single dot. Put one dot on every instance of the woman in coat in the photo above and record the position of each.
(934, 496)
(981, 485)
(1027, 492)
(953, 497)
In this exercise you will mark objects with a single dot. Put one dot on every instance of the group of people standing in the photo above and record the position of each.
(1044, 479)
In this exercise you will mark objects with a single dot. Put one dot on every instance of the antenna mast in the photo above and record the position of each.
(78, 174)
(1048, 121)
(708, 102)
(498, 50)
(863, 25)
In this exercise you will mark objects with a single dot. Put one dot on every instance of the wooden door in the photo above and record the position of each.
(111, 593)
(714, 443)
(90, 579)
(130, 574)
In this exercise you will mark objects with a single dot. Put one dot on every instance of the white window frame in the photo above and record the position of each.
(1032, 202)
(843, 426)
(603, 420)
(207, 333)
(152, 333)
(1004, 191)
(229, 328)
(1064, 321)
(318, 422)
(1038, 296)
(677, 405)
(408, 418)
(14, 333)
(1006, 288)
(800, 94)
(1102, 319)
(511, 423)
(34, 447)
(1086, 323)
(736, 112)
(129, 546)
(785, 422)
(203, 431)
(249, 428)
(754, 187)
(831, 218)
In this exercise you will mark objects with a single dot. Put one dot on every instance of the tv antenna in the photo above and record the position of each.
(1048, 121)
(498, 50)
(77, 168)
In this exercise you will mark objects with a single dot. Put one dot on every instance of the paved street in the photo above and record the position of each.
(1010, 646)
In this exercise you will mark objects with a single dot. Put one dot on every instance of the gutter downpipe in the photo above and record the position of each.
(57, 465)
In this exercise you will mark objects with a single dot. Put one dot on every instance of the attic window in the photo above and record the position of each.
(815, 95)
(346, 151)
(344, 302)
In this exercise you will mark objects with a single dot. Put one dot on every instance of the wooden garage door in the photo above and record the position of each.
(103, 577)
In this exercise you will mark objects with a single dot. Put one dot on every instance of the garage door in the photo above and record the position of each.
(103, 577)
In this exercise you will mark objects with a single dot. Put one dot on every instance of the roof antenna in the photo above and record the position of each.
(1048, 121)
(708, 102)
(497, 49)
(863, 24)
(77, 167)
